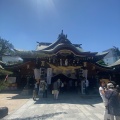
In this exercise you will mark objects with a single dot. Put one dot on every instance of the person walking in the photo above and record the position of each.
(113, 102)
(56, 87)
(105, 101)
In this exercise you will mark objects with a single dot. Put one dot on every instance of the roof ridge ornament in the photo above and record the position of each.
(62, 38)
(62, 32)
(62, 35)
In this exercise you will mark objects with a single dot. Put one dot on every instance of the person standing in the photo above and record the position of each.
(45, 89)
(70, 85)
(62, 87)
(86, 86)
(35, 91)
(65, 86)
(56, 87)
(118, 88)
(105, 101)
(76, 86)
(113, 102)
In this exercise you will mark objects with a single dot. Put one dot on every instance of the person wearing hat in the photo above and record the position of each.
(118, 88)
(113, 102)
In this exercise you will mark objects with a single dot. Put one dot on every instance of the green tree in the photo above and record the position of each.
(101, 62)
(3, 73)
(5, 47)
(3, 84)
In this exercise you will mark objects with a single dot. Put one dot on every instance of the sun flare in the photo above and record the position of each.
(47, 6)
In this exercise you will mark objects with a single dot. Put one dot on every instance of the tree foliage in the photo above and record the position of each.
(5, 72)
(101, 62)
(3, 84)
(30, 54)
(5, 47)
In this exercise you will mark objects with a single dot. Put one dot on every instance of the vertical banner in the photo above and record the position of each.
(37, 73)
(49, 75)
(85, 72)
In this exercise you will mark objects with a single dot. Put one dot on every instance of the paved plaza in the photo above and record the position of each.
(69, 106)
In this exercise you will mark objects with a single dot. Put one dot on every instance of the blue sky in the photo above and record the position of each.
(93, 23)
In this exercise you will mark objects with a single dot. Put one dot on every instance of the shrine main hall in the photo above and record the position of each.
(60, 60)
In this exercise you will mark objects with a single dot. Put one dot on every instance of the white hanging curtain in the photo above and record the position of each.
(49, 75)
(85, 72)
(37, 73)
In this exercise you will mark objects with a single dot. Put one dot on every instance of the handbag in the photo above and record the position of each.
(52, 91)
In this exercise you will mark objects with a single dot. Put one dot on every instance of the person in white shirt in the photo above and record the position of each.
(105, 101)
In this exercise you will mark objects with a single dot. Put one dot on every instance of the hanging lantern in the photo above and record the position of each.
(93, 68)
(28, 66)
(66, 62)
(85, 64)
(60, 62)
(42, 63)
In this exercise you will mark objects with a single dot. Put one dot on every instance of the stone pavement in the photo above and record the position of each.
(67, 107)
(13, 100)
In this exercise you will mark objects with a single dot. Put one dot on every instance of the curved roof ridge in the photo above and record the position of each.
(62, 38)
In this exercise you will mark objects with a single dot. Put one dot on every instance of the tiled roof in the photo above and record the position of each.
(115, 63)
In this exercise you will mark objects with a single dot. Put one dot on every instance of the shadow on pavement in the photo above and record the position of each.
(70, 99)
(10, 92)
(16, 95)
(20, 97)
(42, 117)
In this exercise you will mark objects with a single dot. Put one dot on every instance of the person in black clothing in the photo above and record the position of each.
(118, 88)
(113, 102)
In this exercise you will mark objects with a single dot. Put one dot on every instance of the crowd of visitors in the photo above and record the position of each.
(60, 86)
(110, 95)
(109, 92)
